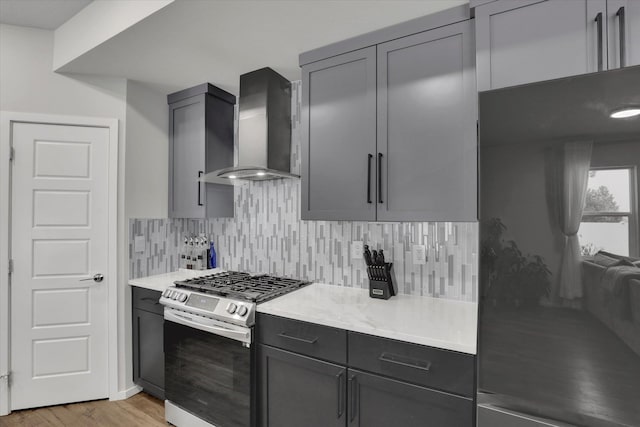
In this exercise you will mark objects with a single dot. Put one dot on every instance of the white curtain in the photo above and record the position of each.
(575, 160)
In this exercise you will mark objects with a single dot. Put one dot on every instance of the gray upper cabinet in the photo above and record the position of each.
(339, 137)
(623, 24)
(524, 41)
(201, 122)
(427, 126)
(390, 130)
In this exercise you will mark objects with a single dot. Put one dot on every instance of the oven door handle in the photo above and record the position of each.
(241, 334)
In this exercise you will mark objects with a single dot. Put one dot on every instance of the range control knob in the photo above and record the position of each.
(182, 297)
(231, 308)
(174, 295)
(242, 310)
(166, 293)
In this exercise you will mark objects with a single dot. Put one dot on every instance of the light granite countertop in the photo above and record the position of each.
(160, 282)
(436, 322)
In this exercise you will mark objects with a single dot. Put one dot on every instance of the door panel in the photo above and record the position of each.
(382, 402)
(427, 126)
(208, 375)
(148, 351)
(526, 41)
(339, 133)
(186, 151)
(299, 391)
(626, 29)
(59, 236)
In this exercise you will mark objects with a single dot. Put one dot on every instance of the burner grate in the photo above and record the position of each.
(233, 284)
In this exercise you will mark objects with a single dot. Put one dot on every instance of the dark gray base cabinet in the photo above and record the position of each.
(297, 388)
(148, 352)
(377, 401)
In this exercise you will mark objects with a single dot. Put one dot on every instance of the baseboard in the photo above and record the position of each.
(125, 394)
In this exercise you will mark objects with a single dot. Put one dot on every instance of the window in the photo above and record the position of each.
(608, 218)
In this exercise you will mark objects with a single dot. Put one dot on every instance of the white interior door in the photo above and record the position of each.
(59, 236)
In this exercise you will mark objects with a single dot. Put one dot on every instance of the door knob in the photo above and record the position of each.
(96, 278)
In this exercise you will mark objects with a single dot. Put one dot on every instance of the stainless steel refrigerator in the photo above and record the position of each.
(559, 325)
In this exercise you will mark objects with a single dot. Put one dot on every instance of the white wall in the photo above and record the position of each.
(97, 23)
(147, 152)
(27, 84)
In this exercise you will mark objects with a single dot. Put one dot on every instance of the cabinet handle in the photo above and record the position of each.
(623, 39)
(369, 177)
(153, 300)
(352, 398)
(304, 340)
(423, 365)
(200, 173)
(340, 378)
(379, 177)
(599, 24)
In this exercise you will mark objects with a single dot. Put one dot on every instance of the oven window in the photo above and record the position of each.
(208, 375)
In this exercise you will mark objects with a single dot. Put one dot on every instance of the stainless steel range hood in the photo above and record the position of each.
(264, 129)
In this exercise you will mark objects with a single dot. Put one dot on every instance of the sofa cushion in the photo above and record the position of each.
(606, 260)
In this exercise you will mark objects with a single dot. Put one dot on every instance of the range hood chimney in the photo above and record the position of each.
(264, 128)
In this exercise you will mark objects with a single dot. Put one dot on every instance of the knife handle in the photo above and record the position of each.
(367, 255)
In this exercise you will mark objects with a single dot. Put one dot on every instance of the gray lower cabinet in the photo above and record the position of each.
(148, 350)
(339, 137)
(299, 391)
(389, 131)
(382, 383)
(526, 41)
(201, 123)
(377, 401)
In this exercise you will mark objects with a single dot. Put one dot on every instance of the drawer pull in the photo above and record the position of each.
(154, 300)
(352, 397)
(623, 36)
(340, 378)
(423, 365)
(304, 340)
(598, 21)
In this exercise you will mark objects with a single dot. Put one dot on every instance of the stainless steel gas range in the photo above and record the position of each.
(208, 346)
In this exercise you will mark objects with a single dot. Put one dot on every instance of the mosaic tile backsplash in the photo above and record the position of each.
(267, 236)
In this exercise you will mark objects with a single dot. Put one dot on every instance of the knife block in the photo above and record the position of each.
(382, 282)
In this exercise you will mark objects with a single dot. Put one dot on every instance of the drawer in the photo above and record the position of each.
(147, 299)
(427, 366)
(310, 339)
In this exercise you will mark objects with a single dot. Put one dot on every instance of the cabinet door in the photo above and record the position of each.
(186, 158)
(524, 41)
(299, 391)
(148, 352)
(624, 32)
(427, 146)
(376, 401)
(339, 137)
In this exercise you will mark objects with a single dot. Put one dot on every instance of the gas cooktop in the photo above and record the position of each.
(242, 286)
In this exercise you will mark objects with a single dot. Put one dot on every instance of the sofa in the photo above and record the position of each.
(612, 294)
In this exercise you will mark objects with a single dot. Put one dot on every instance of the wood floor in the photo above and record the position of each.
(140, 410)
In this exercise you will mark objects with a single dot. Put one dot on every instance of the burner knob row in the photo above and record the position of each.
(175, 295)
(240, 310)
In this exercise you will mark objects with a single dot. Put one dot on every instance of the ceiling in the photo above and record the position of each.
(190, 42)
(45, 14)
(570, 108)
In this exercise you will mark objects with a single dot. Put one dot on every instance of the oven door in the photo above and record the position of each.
(208, 368)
